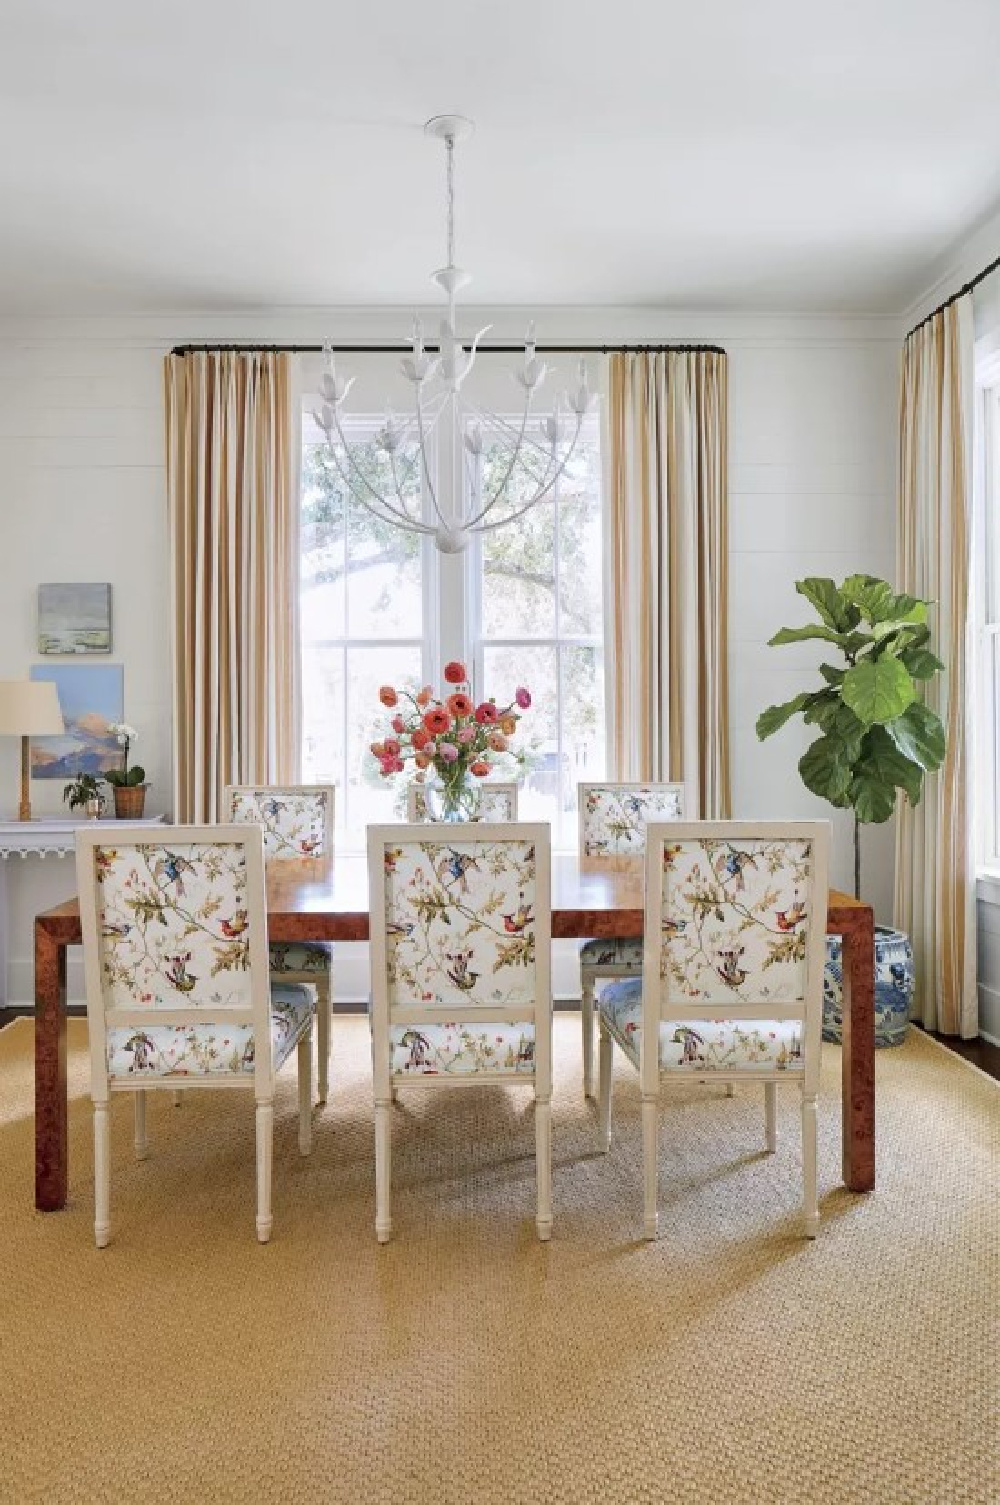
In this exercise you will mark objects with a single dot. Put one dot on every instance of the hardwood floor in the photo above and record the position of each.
(980, 1052)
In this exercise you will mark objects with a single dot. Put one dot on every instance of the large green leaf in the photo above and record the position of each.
(832, 675)
(920, 663)
(840, 724)
(811, 630)
(824, 772)
(919, 735)
(878, 774)
(825, 596)
(880, 603)
(775, 716)
(878, 690)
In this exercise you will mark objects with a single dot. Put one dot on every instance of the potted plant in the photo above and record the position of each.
(129, 784)
(85, 791)
(876, 737)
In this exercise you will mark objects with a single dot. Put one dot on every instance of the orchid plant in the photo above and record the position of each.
(125, 777)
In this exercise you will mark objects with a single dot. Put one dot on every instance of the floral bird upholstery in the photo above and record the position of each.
(461, 985)
(697, 1045)
(186, 1050)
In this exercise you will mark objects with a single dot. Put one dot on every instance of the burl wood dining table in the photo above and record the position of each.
(320, 901)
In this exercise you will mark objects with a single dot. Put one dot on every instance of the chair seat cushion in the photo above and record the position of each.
(462, 1049)
(700, 1045)
(300, 956)
(615, 951)
(211, 1049)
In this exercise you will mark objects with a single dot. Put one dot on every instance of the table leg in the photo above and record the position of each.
(859, 1053)
(51, 1113)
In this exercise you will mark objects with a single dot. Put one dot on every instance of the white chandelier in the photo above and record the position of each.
(528, 464)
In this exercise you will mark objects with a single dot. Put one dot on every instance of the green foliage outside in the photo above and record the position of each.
(877, 736)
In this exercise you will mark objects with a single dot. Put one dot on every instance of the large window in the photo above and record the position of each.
(522, 606)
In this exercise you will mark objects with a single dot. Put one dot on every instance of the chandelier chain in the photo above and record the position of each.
(450, 160)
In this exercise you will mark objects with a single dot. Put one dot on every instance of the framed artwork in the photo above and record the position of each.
(74, 618)
(90, 695)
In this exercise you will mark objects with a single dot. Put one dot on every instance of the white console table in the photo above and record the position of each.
(42, 838)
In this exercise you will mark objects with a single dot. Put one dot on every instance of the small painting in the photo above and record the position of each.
(74, 618)
(91, 696)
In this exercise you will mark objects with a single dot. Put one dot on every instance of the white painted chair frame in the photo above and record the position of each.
(321, 981)
(385, 1013)
(590, 974)
(508, 790)
(657, 1006)
(100, 1018)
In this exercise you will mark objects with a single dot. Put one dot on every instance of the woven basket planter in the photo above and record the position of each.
(130, 801)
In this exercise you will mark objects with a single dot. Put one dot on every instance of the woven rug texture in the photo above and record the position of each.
(465, 1362)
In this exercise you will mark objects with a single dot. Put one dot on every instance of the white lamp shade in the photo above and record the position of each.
(29, 708)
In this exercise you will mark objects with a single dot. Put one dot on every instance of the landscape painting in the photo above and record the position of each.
(91, 696)
(74, 618)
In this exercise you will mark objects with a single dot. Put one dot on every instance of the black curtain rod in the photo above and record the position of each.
(483, 349)
(965, 288)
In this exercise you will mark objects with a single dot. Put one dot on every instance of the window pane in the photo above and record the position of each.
(538, 729)
(322, 597)
(323, 717)
(518, 587)
(581, 545)
(583, 718)
(383, 561)
(370, 797)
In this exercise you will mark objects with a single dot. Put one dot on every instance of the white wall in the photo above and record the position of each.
(812, 453)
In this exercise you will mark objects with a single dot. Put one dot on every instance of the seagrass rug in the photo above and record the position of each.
(729, 1361)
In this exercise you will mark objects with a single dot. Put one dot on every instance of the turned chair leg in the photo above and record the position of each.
(265, 1160)
(810, 1202)
(305, 1092)
(383, 1171)
(102, 1175)
(771, 1116)
(587, 1018)
(604, 1100)
(543, 1166)
(650, 1178)
(324, 1012)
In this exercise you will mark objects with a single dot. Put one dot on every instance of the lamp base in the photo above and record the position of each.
(24, 808)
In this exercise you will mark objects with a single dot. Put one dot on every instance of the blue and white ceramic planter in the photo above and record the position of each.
(893, 987)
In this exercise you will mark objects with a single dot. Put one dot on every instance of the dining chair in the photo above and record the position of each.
(734, 944)
(461, 930)
(612, 823)
(178, 986)
(297, 821)
(497, 801)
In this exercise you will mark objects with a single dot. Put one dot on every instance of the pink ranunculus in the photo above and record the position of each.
(448, 751)
(523, 697)
(386, 767)
(398, 725)
(465, 735)
(398, 765)
(391, 746)
(487, 713)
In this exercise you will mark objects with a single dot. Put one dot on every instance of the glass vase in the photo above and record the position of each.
(450, 799)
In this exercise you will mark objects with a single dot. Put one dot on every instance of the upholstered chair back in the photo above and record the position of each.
(297, 819)
(496, 801)
(613, 817)
(175, 933)
(461, 921)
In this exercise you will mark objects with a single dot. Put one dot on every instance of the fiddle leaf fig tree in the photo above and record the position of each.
(876, 735)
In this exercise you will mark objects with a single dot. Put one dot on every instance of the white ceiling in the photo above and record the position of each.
(774, 154)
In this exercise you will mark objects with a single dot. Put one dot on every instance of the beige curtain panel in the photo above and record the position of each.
(233, 505)
(668, 489)
(935, 875)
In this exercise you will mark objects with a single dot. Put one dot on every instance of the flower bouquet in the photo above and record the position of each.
(449, 739)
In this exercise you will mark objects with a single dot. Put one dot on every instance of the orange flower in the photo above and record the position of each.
(437, 720)
(479, 768)
(508, 725)
(420, 738)
(378, 748)
(424, 696)
(497, 741)
(455, 673)
(459, 704)
(422, 760)
(387, 695)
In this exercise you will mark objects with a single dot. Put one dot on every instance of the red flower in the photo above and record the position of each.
(487, 713)
(387, 695)
(479, 768)
(437, 720)
(420, 738)
(459, 704)
(455, 673)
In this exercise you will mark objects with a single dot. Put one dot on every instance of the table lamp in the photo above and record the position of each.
(28, 708)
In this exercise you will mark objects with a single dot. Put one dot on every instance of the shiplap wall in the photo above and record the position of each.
(812, 454)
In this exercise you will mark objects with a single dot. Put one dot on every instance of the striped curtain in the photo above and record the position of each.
(935, 875)
(232, 456)
(668, 521)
